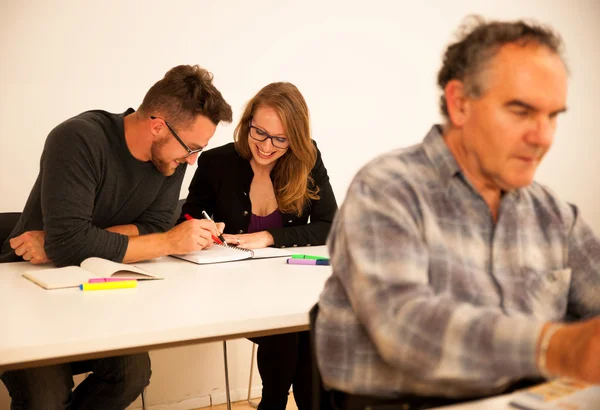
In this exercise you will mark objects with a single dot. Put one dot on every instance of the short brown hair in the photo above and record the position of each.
(185, 92)
(293, 185)
(479, 42)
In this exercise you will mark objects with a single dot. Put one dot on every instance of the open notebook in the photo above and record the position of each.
(558, 394)
(224, 253)
(73, 276)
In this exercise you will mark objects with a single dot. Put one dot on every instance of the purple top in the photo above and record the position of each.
(262, 223)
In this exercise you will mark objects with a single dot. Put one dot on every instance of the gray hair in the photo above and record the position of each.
(479, 42)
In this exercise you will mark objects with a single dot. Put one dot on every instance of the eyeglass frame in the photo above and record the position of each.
(178, 138)
(267, 135)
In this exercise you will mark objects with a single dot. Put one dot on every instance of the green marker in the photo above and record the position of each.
(298, 256)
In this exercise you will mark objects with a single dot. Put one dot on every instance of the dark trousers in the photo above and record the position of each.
(337, 400)
(114, 383)
(284, 361)
(344, 401)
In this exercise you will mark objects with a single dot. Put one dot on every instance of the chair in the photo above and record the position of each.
(144, 399)
(253, 355)
(227, 392)
(8, 220)
(227, 395)
(320, 399)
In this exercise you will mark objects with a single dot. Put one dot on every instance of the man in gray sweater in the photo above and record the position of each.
(107, 187)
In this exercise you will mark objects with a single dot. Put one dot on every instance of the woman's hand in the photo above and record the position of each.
(250, 240)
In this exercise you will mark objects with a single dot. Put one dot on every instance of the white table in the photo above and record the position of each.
(194, 304)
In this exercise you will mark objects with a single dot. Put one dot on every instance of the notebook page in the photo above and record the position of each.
(216, 254)
(58, 278)
(271, 253)
(105, 268)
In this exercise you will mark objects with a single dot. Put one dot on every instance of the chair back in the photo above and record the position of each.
(320, 397)
(8, 220)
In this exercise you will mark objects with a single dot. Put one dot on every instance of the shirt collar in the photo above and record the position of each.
(443, 161)
(439, 154)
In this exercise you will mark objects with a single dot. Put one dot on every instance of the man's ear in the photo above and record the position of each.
(456, 102)
(156, 126)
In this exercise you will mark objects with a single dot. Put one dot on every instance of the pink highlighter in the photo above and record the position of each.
(102, 280)
(295, 261)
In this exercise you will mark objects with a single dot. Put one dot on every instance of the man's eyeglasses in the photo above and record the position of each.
(261, 135)
(183, 144)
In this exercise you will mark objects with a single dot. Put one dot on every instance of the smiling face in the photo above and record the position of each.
(266, 124)
(506, 132)
(167, 153)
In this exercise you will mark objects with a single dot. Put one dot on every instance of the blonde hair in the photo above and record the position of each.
(294, 187)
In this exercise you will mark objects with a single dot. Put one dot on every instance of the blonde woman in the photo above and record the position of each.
(265, 186)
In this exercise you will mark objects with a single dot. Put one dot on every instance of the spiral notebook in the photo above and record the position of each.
(224, 253)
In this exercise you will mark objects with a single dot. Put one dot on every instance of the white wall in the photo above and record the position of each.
(367, 70)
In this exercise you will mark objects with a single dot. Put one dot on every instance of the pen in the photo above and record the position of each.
(296, 261)
(103, 280)
(208, 217)
(299, 256)
(220, 240)
(124, 284)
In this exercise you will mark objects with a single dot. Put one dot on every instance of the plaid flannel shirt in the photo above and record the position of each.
(430, 296)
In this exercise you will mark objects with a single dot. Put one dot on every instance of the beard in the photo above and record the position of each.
(163, 166)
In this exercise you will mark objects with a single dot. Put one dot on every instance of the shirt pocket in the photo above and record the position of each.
(547, 292)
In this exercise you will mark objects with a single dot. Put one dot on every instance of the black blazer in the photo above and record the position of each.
(221, 187)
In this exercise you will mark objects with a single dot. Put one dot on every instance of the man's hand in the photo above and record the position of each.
(193, 235)
(255, 240)
(574, 351)
(30, 246)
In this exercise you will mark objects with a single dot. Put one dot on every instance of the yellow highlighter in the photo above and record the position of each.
(124, 284)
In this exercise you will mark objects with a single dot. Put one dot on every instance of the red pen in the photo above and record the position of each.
(214, 238)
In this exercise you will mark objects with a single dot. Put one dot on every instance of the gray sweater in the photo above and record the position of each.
(89, 181)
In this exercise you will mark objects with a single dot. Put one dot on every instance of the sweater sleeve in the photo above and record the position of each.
(71, 172)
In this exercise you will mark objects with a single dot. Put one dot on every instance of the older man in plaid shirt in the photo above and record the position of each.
(453, 272)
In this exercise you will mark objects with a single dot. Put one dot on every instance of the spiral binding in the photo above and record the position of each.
(237, 248)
